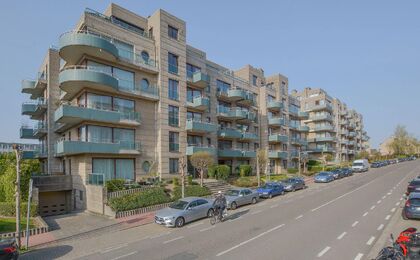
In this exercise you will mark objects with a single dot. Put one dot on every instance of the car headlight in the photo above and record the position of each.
(168, 218)
(265, 192)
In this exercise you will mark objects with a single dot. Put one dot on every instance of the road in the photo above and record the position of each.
(338, 220)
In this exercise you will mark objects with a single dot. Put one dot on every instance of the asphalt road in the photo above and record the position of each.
(338, 220)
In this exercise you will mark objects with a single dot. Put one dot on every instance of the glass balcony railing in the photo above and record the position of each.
(279, 138)
(230, 133)
(65, 147)
(198, 78)
(275, 105)
(193, 148)
(275, 154)
(198, 126)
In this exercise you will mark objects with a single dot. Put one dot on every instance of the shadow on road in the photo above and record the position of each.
(47, 253)
(237, 214)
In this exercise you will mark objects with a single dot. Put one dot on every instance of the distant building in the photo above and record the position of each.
(8, 147)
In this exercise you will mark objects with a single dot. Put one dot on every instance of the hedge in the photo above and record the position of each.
(8, 209)
(292, 170)
(211, 173)
(315, 168)
(222, 172)
(246, 182)
(139, 200)
(191, 191)
(245, 170)
(176, 181)
(115, 185)
(275, 177)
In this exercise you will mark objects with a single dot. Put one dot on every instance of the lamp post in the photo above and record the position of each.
(17, 150)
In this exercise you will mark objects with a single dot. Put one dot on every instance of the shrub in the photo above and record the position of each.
(139, 200)
(313, 162)
(275, 177)
(211, 172)
(175, 181)
(115, 185)
(330, 168)
(8, 209)
(246, 182)
(315, 168)
(292, 170)
(245, 170)
(190, 180)
(191, 191)
(222, 172)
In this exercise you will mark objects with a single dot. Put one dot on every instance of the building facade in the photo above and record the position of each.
(124, 96)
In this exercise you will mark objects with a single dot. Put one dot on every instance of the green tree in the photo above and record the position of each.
(362, 155)
(400, 141)
(201, 161)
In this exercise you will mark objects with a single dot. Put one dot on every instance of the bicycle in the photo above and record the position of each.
(215, 217)
(393, 252)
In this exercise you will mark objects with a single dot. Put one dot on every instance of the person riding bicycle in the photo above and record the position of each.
(220, 204)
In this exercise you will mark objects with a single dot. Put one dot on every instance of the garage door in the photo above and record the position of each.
(52, 203)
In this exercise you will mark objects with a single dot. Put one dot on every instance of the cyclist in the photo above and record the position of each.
(220, 204)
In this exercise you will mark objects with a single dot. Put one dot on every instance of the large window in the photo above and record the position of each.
(194, 140)
(194, 116)
(192, 93)
(125, 78)
(102, 102)
(222, 86)
(173, 116)
(172, 63)
(173, 165)
(102, 134)
(114, 168)
(172, 32)
(191, 69)
(125, 50)
(173, 142)
(173, 89)
(254, 80)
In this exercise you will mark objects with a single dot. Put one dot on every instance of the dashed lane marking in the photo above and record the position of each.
(298, 217)
(172, 240)
(387, 217)
(320, 254)
(393, 210)
(341, 236)
(122, 256)
(359, 256)
(371, 208)
(355, 223)
(370, 241)
(365, 214)
(381, 226)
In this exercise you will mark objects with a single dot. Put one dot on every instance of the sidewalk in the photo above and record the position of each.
(84, 224)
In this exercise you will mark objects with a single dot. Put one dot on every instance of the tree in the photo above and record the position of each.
(304, 158)
(262, 159)
(362, 155)
(400, 141)
(201, 161)
(182, 166)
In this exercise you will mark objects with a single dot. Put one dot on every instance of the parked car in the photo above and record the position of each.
(375, 165)
(324, 177)
(183, 211)
(338, 174)
(347, 171)
(293, 184)
(271, 189)
(239, 197)
(413, 186)
(412, 206)
(361, 165)
(8, 249)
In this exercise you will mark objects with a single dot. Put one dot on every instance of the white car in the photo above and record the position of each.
(361, 165)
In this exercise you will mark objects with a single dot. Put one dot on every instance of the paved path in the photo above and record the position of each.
(338, 220)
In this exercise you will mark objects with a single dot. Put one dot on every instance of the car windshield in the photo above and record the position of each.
(323, 174)
(415, 202)
(232, 193)
(180, 204)
(268, 186)
(415, 183)
(357, 164)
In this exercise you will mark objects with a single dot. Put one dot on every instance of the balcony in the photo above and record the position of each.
(350, 151)
(344, 142)
(352, 134)
(249, 100)
(249, 136)
(199, 103)
(295, 112)
(351, 143)
(302, 128)
(343, 113)
(198, 79)
(327, 107)
(324, 117)
(322, 139)
(275, 105)
(303, 115)
(278, 138)
(344, 122)
(231, 113)
(27, 133)
(191, 149)
(235, 153)
(277, 155)
(229, 133)
(249, 117)
(69, 116)
(236, 94)
(75, 45)
(37, 132)
(35, 109)
(248, 154)
(351, 126)
(277, 121)
(46, 183)
(298, 141)
(35, 87)
(328, 128)
(64, 148)
(35, 154)
(322, 150)
(344, 151)
(200, 127)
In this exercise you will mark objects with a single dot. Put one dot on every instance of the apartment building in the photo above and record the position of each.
(333, 128)
(124, 96)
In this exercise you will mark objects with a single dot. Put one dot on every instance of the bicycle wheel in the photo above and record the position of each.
(213, 219)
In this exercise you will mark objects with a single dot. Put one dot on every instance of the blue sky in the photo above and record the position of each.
(366, 53)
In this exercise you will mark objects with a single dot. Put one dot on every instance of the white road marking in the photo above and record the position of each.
(365, 214)
(401, 199)
(371, 208)
(389, 193)
(384, 197)
(160, 235)
(298, 217)
(174, 239)
(205, 229)
(393, 210)
(249, 240)
(398, 203)
(320, 254)
(196, 224)
(345, 194)
(379, 201)
(370, 241)
(109, 249)
(274, 206)
(381, 226)
(342, 235)
(355, 223)
(256, 212)
(387, 217)
(359, 256)
(122, 256)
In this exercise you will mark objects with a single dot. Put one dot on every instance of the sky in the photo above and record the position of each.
(366, 53)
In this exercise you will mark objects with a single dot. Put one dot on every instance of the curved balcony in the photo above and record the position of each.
(200, 127)
(236, 94)
(36, 132)
(277, 154)
(68, 116)
(199, 103)
(278, 138)
(63, 148)
(277, 121)
(275, 105)
(302, 128)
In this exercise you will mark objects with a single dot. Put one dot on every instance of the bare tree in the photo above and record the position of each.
(201, 161)
(182, 166)
(261, 163)
(17, 192)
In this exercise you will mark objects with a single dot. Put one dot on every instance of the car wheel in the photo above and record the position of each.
(233, 206)
(254, 200)
(179, 222)
(270, 196)
(282, 192)
(294, 189)
(210, 213)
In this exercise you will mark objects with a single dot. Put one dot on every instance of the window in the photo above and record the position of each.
(192, 93)
(80, 195)
(125, 50)
(254, 80)
(194, 140)
(194, 116)
(123, 105)
(172, 63)
(114, 168)
(173, 142)
(191, 69)
(145, 56)
(172, 32)
(173, 89)
(270, 98)
(173, 165)
(125, 78)
(173, 115)
(225, 144)
(146, 166)
(144, 84)
(127, 25)
(222, 86)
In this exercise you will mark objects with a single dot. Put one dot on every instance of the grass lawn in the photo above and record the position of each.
(9, 224)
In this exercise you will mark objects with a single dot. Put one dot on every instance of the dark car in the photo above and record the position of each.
(375, 165)
(412, 206)
(338, 174)
(413, 186)
(8, 249)
(293, 184)
(271, 189)
(347, 171)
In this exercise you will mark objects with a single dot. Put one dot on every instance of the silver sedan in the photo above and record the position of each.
(239, 197)
(183, 211)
